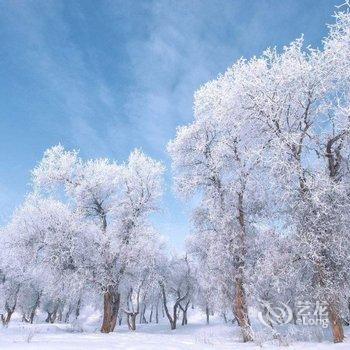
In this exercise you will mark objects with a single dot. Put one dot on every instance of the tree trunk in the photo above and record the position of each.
(53, 316)
(36, 305)
(128, 321)
(241, 312)
(172, 320)
(115, 310)
(184, 317)
(111, 301)
(336, 325)
(133, 321)
(240, 303)
(77, 310)
(9, 310)
(207, 314)
(142, 314)
(68, 313)
(48, 318)
(60, 315)
(32, 315)
(334, 164)
(140, 319)
(157, 316)
(184, 312)
(150, 315)
(175, 317)
(7, 318)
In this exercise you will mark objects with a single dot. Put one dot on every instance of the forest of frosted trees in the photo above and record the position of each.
(266, 160)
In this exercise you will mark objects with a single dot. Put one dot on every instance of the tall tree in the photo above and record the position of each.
(116, 198)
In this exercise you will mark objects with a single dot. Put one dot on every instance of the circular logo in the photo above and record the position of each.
(272, 315)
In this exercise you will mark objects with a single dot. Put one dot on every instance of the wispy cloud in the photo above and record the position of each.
(59, 68)
(175, 56)
(108, 76)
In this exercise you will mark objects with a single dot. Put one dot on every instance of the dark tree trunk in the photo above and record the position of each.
(150, 315)
(68, 313)
(142, 314)
(184, 318)
(59, 315)
(172, 319)
(133, 321)
(207, 314)
(184, 312)
(35, 307)
(77, 310)
(5, 319)
(54, 315)
(48, 318)
(111, 302)
(157, 307)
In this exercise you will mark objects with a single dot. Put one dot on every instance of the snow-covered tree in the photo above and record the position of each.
(45, 252)
(116, 199)
(271, 136)
(140, 284)
(218, 156)
(176, 285)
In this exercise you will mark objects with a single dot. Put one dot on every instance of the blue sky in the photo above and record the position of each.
(108, 76)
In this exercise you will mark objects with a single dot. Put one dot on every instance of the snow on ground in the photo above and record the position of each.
(195, 336)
